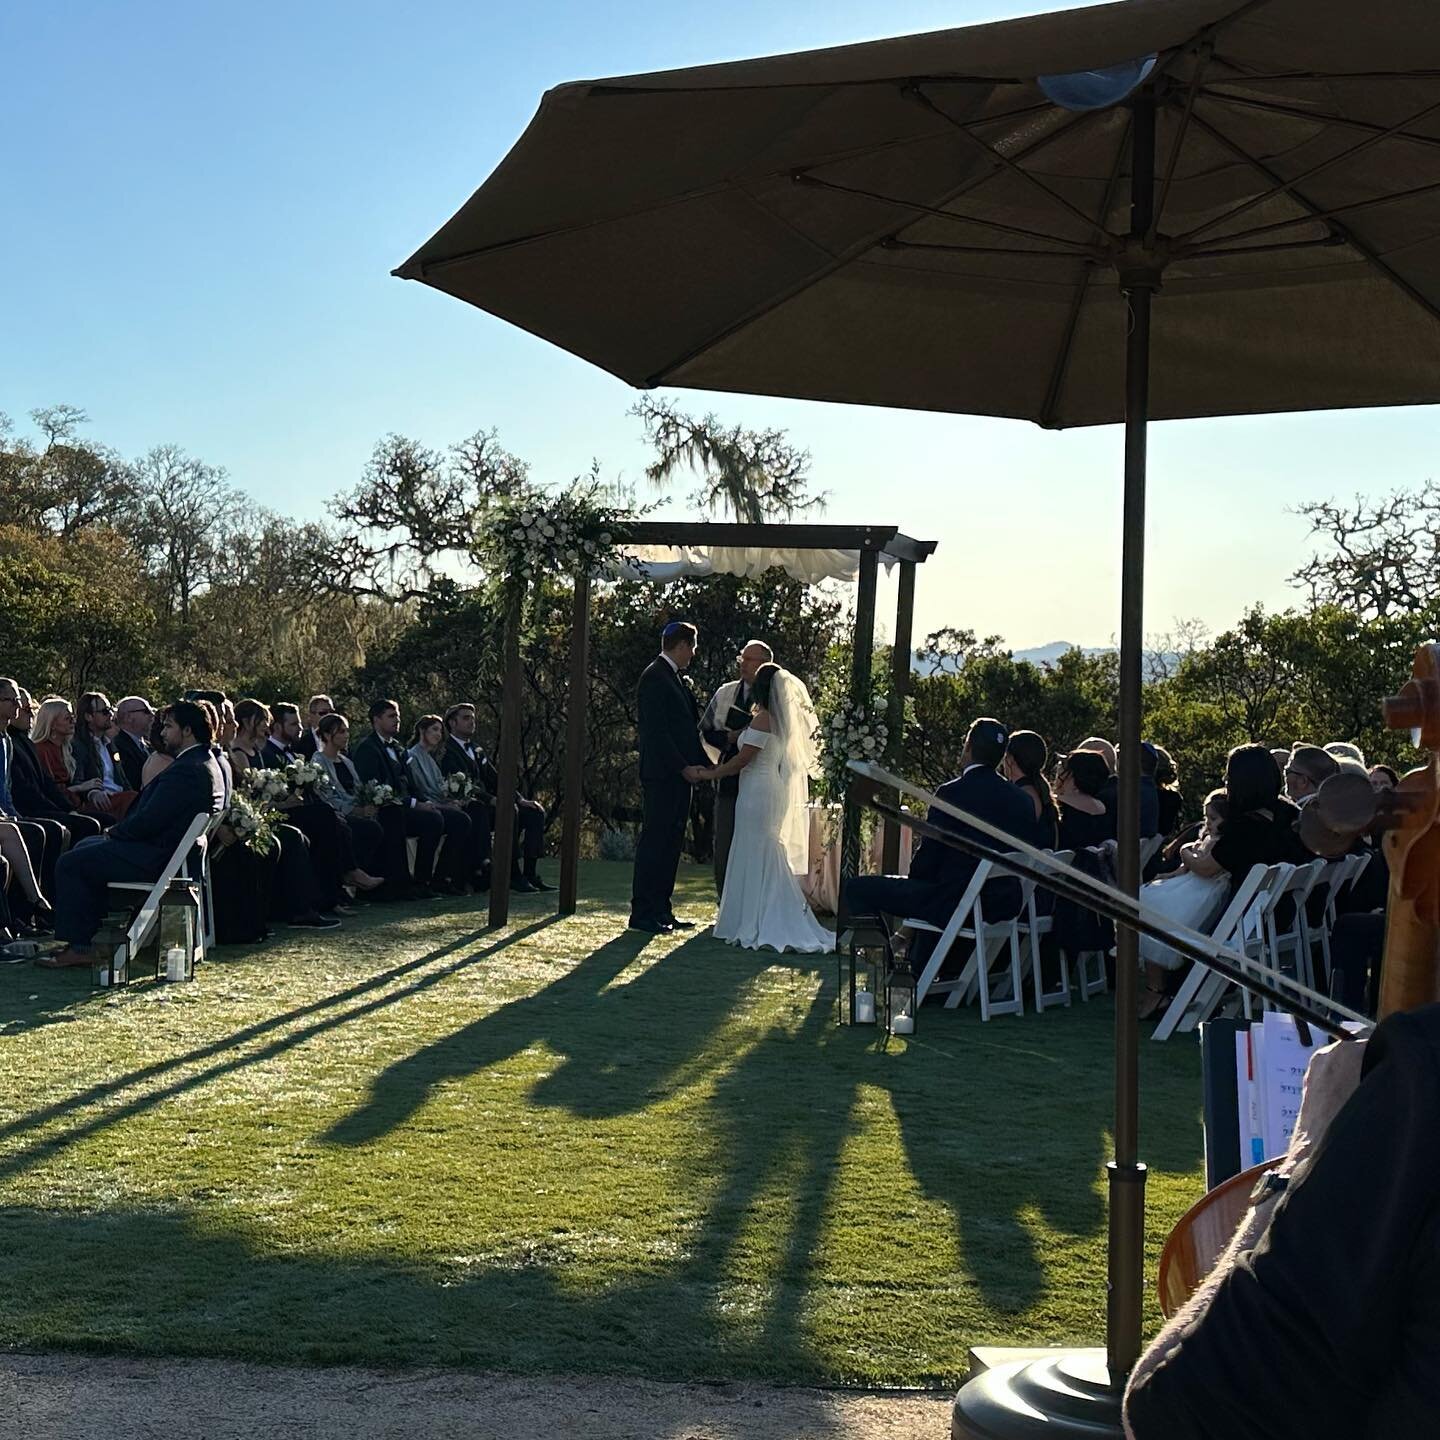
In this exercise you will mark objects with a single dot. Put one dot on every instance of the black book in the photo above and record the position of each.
(736, 718)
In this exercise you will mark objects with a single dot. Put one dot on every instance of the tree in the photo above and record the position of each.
(183, 504)
(1379, 555)
(756, 474)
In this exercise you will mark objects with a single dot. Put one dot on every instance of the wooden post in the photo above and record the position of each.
(507, 762)
(859, 692)
(899, 689)
(577, 698)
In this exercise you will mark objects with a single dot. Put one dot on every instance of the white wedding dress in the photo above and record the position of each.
(763, 906)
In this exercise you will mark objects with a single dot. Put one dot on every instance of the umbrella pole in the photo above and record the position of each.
(1126, 1174)
(1053, 1395)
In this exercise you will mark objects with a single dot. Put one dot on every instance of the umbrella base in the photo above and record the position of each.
(1058, 1395)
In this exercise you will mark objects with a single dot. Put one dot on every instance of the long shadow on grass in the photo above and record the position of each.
(622, 1045)
(230, 1055)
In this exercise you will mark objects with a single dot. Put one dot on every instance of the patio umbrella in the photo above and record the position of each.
(978, 220)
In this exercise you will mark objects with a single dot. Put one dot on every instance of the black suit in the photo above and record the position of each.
(939, 874)
(529, 818)
(38, 800)
(133, 755)
(384, 762)
(669, 741)
(138, 847)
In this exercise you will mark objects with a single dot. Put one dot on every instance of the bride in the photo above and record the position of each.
(762, 904)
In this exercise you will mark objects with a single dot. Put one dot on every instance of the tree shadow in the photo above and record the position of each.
(622, 1046)
(229, 1055)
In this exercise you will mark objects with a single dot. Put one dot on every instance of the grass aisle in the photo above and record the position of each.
(557, 1148)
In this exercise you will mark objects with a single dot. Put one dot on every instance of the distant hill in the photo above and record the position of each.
(1049, 654)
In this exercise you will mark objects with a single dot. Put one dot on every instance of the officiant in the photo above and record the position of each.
(725, 717)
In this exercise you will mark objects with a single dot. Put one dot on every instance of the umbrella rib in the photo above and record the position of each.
(892, 243)
(804, 177)
(1004, 161)
(1342, 122)
(1281, 186)
(1374, 203)
(1191, 91)
(1061, 368)
(1360, 246)
(1222, 252)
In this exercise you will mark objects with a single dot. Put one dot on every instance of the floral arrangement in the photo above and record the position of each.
(377, 793)
(854, 730)
(265, 786)
(304, 777)
(527, 534)
(459, 786)
(253, 827)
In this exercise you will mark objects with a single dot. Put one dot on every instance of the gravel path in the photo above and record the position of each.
(81, 1397)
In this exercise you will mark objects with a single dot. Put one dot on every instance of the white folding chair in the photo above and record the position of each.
(967, 922)
(1201, 989)
(1290, 944)
(1034, 927)
(146, 916)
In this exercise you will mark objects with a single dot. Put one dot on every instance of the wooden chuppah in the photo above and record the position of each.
(873, 544)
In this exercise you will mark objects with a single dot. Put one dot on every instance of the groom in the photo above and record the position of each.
(718, 731)
(671, 761)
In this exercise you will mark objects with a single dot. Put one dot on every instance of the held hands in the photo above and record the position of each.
(694, 774)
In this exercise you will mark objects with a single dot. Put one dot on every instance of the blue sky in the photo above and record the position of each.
(205, 203)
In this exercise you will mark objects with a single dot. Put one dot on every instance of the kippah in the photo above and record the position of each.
(673, 628)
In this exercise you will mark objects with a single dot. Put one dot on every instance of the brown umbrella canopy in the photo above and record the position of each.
(913, 223)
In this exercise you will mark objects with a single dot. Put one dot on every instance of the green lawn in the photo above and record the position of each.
(557, 1148)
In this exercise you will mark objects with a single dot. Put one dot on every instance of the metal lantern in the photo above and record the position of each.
(900, 1000)
(864, 962)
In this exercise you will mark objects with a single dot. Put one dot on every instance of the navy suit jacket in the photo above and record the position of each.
(669, 723)
(192, 786)
(132, 757)
(989, 795)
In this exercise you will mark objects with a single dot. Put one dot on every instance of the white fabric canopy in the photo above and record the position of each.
(673, 562)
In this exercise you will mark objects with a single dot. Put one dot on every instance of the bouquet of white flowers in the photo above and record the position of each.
(305, 777)
(459, 786)
(854, 731)
(265, 786)
(376, 792)
(253, 827)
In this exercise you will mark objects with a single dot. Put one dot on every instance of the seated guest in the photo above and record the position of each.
(97, 761)
(458, 859)
(367, 832)
(1309, 767)
(279, 749)
(43, 839)
(1382, 777)
(1260, 823)
(1149, 792)
(1080, 785)
(35, 794)
(140, 844)
(1167, 783)
(261, 743)
(1183, 896)
(157, 760)
(1024, 765)
(52, 733)
(320, 706)
(134, 716)
(379, 757)
(940, 874)
(1110, 794)
(462, 754)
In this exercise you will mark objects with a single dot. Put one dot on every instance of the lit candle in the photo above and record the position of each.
(902, 1024)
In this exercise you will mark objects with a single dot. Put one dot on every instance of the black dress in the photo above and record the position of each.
(1260, 837)
(1079, 831)
(1047, 823)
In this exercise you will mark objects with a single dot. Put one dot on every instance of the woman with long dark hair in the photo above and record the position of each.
(1024, 765)
(1079, 796)
(1259, 821)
